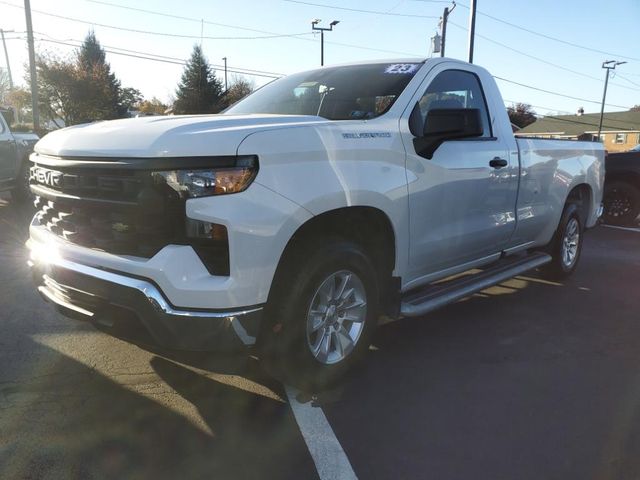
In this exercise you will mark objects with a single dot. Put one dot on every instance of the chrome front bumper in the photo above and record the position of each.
(91, 293)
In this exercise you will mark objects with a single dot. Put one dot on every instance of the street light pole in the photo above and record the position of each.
(225, 74)
(314, 26)
(608, 66)
(472, 28)
(6, 56)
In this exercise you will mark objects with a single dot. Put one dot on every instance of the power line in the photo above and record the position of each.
(359, 10)
(153, 57)
(111, 47)
(549, 37)
(179, 17)
(557, 93)
(207, 22)
(546, 62)
(626, 79)
(147, 32)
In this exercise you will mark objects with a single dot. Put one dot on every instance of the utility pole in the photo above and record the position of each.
(443, 29)
(472, 27)
(608, 65)
(32, 67)
(226, 87)
(314, 26)
(6, 56)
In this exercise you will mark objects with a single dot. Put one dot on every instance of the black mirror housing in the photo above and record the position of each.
(447, 124)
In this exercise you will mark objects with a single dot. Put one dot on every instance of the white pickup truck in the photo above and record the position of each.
(306, 213)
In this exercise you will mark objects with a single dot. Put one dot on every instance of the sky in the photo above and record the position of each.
(551, 45)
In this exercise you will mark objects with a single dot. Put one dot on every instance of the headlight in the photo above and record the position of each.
(194, 183)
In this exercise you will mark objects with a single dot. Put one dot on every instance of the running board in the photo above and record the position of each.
(438, 295)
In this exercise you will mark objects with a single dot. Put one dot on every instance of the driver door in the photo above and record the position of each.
(460, 208)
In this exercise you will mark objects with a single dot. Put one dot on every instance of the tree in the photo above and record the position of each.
(635, 108)
(521, 114)
(60, 89)
(98, 86)
(199, 90)
(152, 107)
(83, 88)
(240, 88)
(20, 100)
(129, 99)
(4, 85)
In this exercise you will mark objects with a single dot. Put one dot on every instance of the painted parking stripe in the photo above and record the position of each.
(325, 449)
(628, 229)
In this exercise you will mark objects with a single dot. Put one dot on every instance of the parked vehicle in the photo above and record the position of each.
(622, 188)
(15, 149)
(313, 208)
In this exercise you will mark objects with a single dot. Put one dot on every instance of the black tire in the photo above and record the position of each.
(285, 346)
(621, 204)
(21, 192)
(560, 267)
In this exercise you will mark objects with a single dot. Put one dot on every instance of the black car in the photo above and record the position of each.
(622, 188)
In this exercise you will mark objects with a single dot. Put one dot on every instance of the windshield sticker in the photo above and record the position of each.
(366, 135)
(402, 68)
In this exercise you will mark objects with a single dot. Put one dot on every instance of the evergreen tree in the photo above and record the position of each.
(100, 90)
(199, 90)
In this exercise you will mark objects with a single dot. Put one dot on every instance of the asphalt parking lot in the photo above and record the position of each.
(528, 380)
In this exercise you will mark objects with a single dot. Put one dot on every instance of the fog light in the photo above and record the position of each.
(199, 229)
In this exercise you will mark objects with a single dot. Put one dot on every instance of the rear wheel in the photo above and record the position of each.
(321, 327)
(621, 204)
(566, 246)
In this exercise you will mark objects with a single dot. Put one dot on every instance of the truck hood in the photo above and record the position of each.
(172, 136)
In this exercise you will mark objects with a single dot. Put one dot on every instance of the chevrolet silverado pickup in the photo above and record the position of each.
(15, 149)
(324, 203)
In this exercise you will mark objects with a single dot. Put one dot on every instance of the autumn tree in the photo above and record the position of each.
(199, 90)
(152, 107)
(4, 85)
(240, 88)
(521, 114)
(20, 100)
(83, 88)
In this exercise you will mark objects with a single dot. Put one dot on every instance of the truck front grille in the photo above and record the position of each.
(119, 232)
(120, 211)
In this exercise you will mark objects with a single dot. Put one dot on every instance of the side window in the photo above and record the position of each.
(456, 89)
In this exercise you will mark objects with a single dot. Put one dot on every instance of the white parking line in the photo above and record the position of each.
(325, 449)
(628, 229)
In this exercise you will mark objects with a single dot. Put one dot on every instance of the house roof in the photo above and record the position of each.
(579, 124)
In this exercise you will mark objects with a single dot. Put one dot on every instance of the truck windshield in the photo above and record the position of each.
(338, 93)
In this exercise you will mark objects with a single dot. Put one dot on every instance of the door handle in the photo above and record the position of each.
(498, 162)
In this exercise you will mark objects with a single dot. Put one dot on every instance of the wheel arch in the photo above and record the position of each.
(367, 226)
(581, 195)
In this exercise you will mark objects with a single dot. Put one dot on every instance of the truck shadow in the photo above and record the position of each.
(71, 408)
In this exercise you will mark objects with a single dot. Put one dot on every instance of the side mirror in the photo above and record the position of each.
(447, 124)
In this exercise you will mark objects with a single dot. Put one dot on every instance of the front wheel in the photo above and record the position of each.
(566, 246)
(324, 316)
